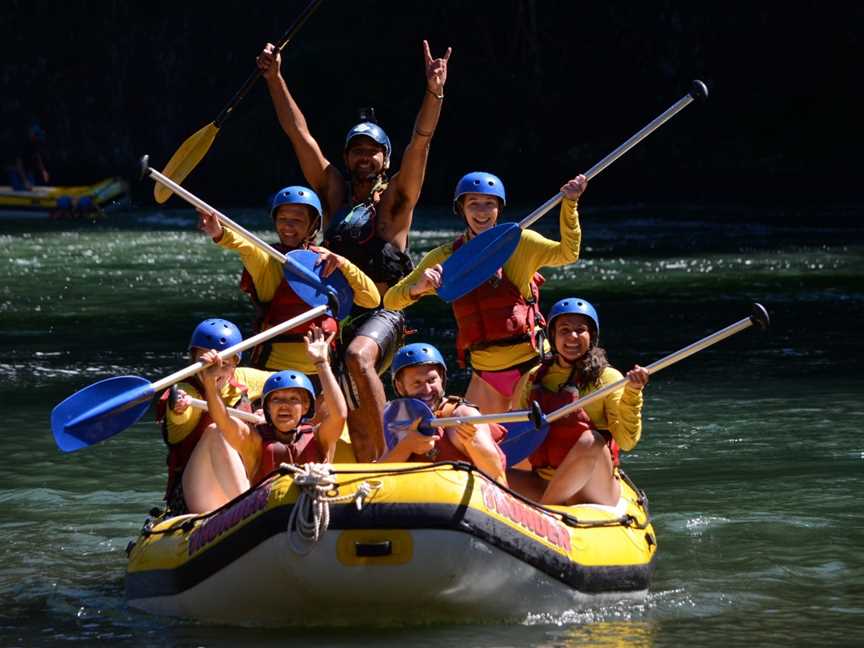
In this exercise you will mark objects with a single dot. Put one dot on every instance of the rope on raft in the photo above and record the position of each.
(310, 515)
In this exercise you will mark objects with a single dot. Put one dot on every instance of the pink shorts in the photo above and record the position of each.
(505, 380)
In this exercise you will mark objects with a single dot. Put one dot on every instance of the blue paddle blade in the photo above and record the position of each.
(478, 260)
(306, 280)
(100, 411)
(522, 439)
(400, 413)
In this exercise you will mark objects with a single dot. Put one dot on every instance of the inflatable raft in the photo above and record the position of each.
(389, 544)
(60, 202)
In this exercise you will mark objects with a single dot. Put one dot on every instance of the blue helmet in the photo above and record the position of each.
(572, 306)
(297, 195)
(216, 334)
(418, 353)
(289, 379)
(374, 132)
(479, 182)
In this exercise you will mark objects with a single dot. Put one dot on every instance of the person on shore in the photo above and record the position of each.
(498, 323)
(296, 215)
(233, 455)
(28, 169)
(183, 425)
(418, 371)
(575, 463)
(367, 218)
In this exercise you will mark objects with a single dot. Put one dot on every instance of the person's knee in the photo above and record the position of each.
(589, 443)
(210, 434)
(360, 358)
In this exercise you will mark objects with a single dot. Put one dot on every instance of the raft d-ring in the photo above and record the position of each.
(364, 490)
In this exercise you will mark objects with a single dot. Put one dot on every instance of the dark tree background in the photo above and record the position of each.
(538, 90)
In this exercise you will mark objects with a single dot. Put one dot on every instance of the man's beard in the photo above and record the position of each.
(364, 176)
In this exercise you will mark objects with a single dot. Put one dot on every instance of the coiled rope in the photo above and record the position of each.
(310, 516)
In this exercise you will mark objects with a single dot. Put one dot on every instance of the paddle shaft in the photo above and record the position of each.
(255, 340)
(225, 113)
(507, 417)
(649, 128)
(654, 367)
(249, 417)
(194, 200)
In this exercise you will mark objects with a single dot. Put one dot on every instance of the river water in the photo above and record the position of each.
(752, 453)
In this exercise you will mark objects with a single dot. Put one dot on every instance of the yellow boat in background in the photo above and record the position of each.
(41, 203)
(389, 544)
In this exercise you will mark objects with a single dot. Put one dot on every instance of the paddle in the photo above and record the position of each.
(192, 151)
(197, 403)
(522, 426)
(480, 258)
(299, 266)
(109, 406)
(758, 317)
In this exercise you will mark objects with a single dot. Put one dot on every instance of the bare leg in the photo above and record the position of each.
(526, 483)
(366, 423)
(585, 475)
(485, 397)
(214, 475)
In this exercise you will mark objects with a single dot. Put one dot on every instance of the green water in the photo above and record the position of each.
(752, 453)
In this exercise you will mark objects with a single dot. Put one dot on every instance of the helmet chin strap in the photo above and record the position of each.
(309, 239)
(267, 418)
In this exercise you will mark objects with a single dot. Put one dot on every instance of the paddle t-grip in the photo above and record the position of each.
(698, 90)
(759, 316)
(536, 415)
(144, 166)
(172, 397)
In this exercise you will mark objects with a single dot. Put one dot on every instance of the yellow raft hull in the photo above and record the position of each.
(430, 543)
(43, 202)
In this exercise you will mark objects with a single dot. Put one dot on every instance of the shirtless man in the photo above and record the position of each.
(367, 217)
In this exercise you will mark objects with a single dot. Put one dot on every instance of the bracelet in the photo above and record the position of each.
(422, 133)
(320, 362)
(437, 96)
